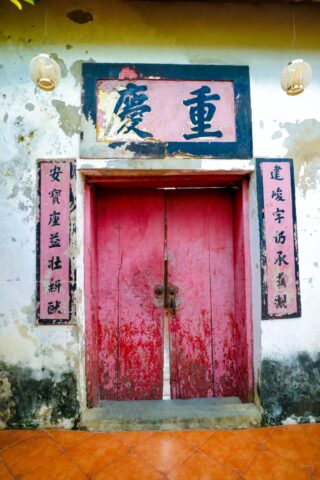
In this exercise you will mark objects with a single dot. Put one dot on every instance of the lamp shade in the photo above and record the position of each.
(45, 72)
(296, 76)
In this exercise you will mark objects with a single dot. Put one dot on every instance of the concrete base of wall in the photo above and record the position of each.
(199, 413)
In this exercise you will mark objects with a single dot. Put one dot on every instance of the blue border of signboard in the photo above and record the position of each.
(242, 148)
(264, 288)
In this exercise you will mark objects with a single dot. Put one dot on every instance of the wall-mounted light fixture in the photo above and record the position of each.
(45, 72)
(296, 76)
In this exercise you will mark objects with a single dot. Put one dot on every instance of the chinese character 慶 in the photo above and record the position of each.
(201, 113)
(131, 107)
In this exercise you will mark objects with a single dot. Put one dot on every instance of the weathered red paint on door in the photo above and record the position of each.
(130, 243)
(200, 253)
(194, 231)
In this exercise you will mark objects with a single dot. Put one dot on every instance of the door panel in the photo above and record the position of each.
(200, 264)
(195, 227)
(130, 244)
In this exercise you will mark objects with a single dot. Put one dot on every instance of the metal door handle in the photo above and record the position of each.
(172, 290)
(159, 290)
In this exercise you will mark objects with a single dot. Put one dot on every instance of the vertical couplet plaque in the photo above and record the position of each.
(280, 288)
(56, 229)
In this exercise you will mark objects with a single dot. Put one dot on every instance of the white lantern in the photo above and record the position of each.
(45, 72)
(296, 76)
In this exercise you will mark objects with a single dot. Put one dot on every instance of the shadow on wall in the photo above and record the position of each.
(290, 389)
(30, 402)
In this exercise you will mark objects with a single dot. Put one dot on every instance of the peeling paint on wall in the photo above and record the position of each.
(60, 62)
(79, 16)
(69, 117)
(76, 69)
(303, 145)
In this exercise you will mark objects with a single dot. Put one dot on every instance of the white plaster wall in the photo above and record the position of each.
(152, 32)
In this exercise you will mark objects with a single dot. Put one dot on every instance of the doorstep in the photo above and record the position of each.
(198, 413)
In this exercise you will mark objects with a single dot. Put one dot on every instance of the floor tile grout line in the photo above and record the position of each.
(202, 441)
(144, 460)
(265, 450)
(176, 465)
(75, 445)
(34, 432)
(40, 465)
(292, 428)
(128, 454)
(269, 450)
(65, 451)
(182, 441)
(7, 468)
(228, 467)
(131, 444)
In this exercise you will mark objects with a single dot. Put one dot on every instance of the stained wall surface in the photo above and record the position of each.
(42, 379)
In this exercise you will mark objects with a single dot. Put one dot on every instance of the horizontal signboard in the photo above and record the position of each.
(161, 110)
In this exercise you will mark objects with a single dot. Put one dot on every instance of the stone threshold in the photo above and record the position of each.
(198, 413)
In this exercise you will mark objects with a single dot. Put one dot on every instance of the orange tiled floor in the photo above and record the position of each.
(275, 453)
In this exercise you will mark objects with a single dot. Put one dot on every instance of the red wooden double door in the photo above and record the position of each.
(168, 254)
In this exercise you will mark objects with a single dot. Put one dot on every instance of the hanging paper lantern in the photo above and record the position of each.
(45, 72)
(296, 76)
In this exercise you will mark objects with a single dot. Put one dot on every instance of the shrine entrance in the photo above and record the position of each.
(167, 275)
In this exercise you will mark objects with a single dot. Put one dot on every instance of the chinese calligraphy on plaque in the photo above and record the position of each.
(162, 110)
(278, 239)
(55, 242)
(199, 110)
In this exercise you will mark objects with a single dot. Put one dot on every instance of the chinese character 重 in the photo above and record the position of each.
(201, 113)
